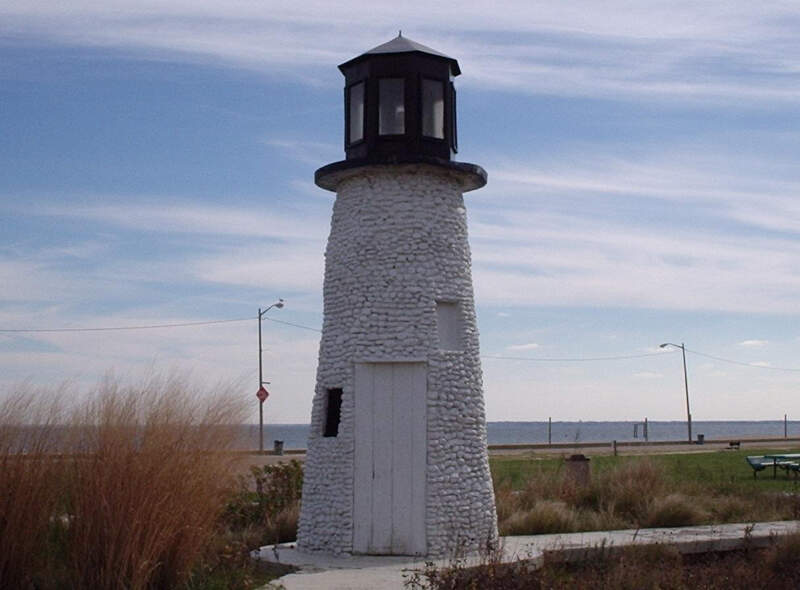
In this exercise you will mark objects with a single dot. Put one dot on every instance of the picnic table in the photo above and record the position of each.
(784, 461)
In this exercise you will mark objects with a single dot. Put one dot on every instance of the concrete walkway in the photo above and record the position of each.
(325, 572)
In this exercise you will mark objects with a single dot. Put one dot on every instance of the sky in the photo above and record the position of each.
(157, 161)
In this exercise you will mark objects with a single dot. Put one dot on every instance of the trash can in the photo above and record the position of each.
(277, 447)
(701, 438)
(577, 470)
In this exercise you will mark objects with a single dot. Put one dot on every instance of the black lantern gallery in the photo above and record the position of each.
(400, 108)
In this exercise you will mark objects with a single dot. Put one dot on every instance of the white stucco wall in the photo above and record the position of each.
(398, 243)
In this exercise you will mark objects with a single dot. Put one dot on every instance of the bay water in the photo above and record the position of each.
(295, 436)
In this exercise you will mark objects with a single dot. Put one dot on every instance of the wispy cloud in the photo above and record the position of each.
(176, 217)
(308, 152)
(751, 189)
(754, 343)
(656, 349)
(723, 51)
(174, 245)
(520, 347)
(296, 267)
(222, 352)
(564, 260)
(648, 375)
(632, 230)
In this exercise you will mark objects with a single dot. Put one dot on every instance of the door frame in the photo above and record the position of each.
(390, 457)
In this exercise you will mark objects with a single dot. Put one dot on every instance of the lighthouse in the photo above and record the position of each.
(397, 460)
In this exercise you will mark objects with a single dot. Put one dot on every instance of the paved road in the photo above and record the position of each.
(588, 449)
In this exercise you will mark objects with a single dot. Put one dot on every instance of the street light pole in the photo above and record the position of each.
(262, 393)
(685, 384)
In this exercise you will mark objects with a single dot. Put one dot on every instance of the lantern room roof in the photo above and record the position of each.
(402, 44)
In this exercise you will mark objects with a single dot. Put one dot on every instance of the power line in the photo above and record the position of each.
(145, 327)
(634, 356)
(573, 359)
(302, 327)
(117, 328)
(743, 364)
(293, 325)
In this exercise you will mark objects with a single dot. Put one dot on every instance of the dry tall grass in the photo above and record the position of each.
(135, 501)
(631, 495)
(28, 476)
(656, 567)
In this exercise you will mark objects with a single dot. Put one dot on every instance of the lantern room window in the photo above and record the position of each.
(433, 108)
(355, 113)
(391, 107)
(453, 122)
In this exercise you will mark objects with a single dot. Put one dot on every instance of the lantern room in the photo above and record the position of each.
(400, 103)
(400, 108)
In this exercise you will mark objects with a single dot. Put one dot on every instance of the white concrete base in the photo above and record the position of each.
(368, 572)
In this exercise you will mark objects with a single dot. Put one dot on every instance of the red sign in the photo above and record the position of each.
(262, 394)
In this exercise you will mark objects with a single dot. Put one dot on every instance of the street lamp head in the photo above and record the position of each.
(672, 344)
(279, 304)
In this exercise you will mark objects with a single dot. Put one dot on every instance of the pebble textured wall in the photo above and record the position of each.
(398, 243)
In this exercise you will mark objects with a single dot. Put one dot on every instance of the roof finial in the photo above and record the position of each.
(400, 33)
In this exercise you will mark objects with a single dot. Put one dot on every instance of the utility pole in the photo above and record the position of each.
(685, 384)
(262, 392)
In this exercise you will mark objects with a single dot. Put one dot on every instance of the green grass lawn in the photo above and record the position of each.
(717, 469)
(535, 496)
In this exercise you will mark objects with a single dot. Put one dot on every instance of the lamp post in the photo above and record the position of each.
(685, 384)
(262, 392)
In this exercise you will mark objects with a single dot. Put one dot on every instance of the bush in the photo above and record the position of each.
(546, 516)
(730, 508)
(635, 567)
(784, 556)
(616, 498)
(629, 487)
(674, 510)
(271, 511)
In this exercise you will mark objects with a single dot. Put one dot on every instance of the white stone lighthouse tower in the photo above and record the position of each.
(397, 460)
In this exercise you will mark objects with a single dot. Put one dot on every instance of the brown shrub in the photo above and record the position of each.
(784, 556)
(29, 482)
(135, 501)
(730, 508)
(540, 485)
(673, 510)
(628, 488)
(635, 567)
(545, 516)
(147, 494)
(282, 527)
(604, 519)
(506, 501)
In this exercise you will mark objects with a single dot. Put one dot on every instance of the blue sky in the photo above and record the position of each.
(157, 159)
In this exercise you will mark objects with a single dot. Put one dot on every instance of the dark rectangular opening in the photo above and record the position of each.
(453, 126)
(333, 412)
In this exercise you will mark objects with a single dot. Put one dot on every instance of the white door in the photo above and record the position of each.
(390, 458)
